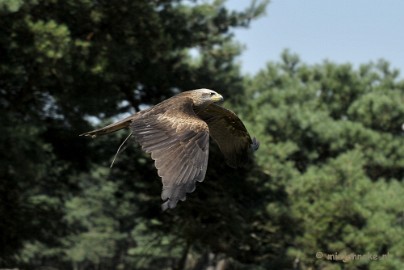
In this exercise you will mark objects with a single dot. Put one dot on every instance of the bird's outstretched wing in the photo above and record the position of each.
(229, 133)
(178, 141)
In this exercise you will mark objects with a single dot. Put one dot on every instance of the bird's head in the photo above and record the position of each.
(204, 97)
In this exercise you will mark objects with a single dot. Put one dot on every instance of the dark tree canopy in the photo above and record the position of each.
(329, 175)
(66, 64)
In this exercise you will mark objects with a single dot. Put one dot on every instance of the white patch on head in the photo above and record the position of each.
(205, 96)
(205, 90)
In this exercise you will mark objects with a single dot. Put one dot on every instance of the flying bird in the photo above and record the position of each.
(176, 133)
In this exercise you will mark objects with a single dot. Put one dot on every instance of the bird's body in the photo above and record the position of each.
(176, 133)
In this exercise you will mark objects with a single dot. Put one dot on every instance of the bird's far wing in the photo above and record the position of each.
(229, 133)
(179, 143)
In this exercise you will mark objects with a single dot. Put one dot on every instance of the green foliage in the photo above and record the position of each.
(334, 139)
(328, 176)
(67, 62)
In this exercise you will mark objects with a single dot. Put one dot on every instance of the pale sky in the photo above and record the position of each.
(355, 31)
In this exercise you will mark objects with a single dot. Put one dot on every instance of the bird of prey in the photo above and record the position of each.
(176, 133)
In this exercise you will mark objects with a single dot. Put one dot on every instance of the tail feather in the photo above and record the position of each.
(110, 128)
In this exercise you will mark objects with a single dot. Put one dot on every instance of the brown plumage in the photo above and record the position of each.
(176, 133)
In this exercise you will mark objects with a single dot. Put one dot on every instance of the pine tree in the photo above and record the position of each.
(66, 65)
(334, 140)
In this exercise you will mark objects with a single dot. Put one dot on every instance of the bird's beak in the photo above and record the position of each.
(217, 98)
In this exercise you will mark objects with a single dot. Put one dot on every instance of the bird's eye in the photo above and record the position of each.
(212, 93)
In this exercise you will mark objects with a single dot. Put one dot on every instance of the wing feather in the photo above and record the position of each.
(229, 133)
(178, 141)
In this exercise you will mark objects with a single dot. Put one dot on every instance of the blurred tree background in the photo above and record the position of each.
(328, 176)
